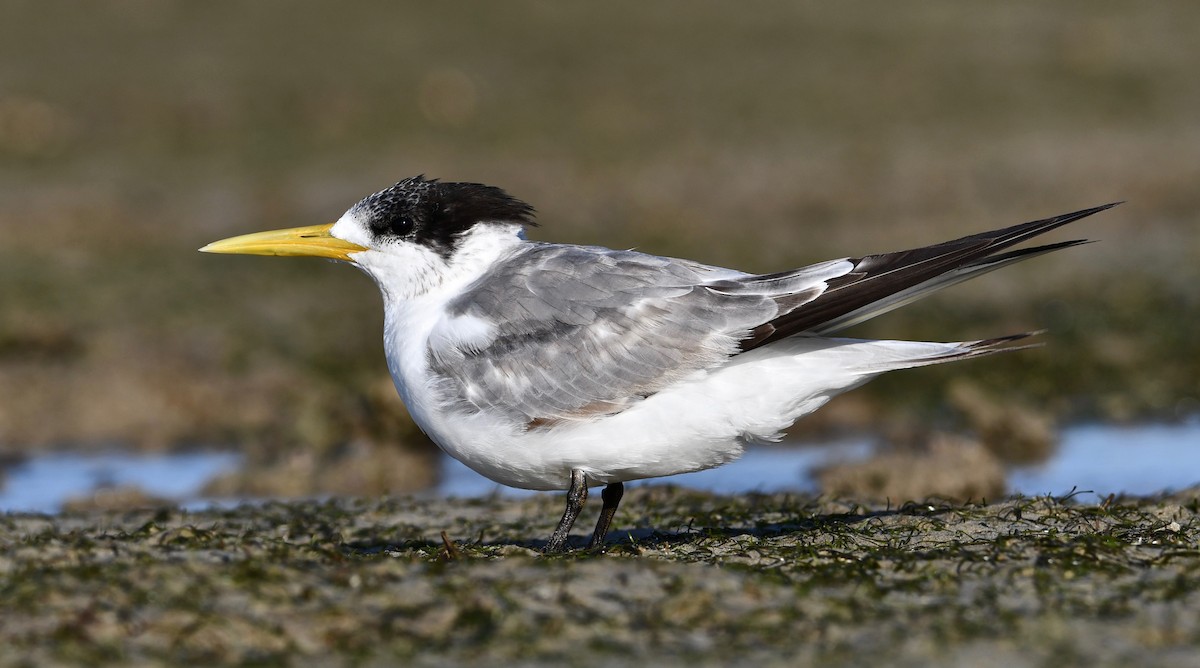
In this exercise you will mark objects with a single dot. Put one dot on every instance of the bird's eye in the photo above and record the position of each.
(401, 225)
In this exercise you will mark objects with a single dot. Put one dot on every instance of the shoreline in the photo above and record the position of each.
(686, 577)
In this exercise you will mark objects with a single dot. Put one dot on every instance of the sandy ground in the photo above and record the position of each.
(687, 578)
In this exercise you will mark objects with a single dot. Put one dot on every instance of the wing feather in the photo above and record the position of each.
(574, 333)
(578, 332)
(876, 279)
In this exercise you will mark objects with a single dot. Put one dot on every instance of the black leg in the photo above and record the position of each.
(612, 498)
(576, 497)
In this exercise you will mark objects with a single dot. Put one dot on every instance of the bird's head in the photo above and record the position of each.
(406, 236)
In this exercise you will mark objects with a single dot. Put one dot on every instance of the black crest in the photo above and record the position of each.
(436, 214)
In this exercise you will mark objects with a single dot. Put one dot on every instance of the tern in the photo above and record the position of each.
(551, 366)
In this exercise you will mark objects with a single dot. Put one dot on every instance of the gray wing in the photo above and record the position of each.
(575, 332)
(567, 332)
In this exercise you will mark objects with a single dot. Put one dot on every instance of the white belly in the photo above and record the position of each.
(690, 427)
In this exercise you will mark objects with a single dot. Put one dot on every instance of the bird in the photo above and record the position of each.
(550, 366)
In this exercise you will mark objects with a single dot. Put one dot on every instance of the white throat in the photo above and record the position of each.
(409, 271)
(417, 283)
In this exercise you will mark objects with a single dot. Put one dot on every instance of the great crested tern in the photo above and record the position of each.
(554, 366)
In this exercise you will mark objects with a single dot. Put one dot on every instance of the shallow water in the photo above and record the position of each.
(43, 483)
(1095, 460)
(1104, 459)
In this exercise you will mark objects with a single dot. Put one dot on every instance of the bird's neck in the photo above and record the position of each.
(415, 296)
(416, 292)
(419, 274)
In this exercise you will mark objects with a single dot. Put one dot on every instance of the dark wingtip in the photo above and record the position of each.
(1082, 213)
(1001, 344)
(1000, 340)
(1102, 207)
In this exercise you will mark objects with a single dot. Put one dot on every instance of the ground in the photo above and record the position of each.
(687, 578)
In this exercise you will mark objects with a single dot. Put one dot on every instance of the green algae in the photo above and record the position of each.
(687, 578)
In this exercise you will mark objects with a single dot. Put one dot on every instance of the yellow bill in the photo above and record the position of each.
(312, 241)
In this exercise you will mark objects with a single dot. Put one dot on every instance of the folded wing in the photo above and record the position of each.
(576, 332)
(562, 333)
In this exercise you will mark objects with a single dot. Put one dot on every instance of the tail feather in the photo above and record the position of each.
(922, 290)
(879, 283)
(985, 347)
(895, 355)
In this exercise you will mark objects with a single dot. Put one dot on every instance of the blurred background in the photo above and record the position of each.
(133, 132)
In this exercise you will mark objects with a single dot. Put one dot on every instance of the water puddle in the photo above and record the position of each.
(1096, 459)
(42, 484)
(1105, 459)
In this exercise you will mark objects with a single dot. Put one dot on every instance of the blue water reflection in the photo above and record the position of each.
(42, 484)
(1099, 459)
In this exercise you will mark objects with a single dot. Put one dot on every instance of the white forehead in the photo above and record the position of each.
(350, 228)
